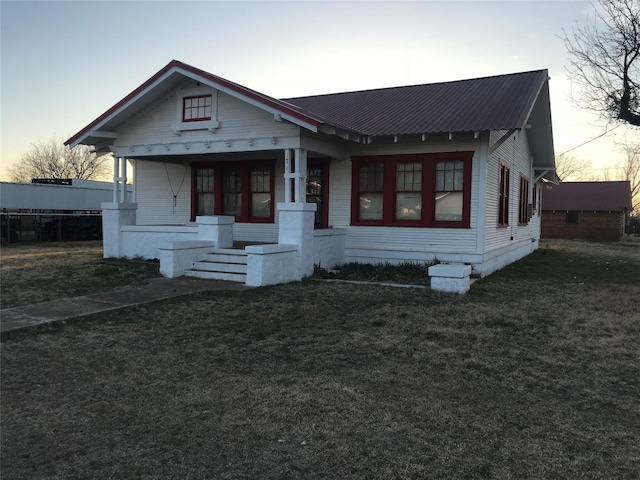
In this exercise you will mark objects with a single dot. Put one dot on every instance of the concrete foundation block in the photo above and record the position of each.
(450, 278)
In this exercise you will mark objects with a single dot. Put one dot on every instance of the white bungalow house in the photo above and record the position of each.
(444, 173)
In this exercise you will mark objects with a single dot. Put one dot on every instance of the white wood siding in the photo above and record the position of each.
(340, 192)
(515, 153)
(400, 242)
(238, 121)
(155, 188)
(155, 200)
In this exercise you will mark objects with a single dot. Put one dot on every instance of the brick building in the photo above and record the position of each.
(586, 210)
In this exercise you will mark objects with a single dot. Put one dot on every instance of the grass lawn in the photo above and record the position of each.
(532, 374)
(49, 271)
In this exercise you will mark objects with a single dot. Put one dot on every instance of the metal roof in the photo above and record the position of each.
(501, 102)
(588, 196)
(490, 103)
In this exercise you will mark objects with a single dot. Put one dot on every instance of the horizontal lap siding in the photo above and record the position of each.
(155, 200)
(340, 192)
(440, 240)
(514, 153)
(238, 120)
(402, 239)
(241, 120)
(155, 188)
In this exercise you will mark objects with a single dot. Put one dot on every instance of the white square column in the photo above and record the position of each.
(114, 216)
(218, 229)
(295, 227)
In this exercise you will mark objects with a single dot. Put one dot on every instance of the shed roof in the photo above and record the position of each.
(588, 196)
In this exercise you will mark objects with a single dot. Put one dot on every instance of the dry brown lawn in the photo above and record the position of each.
(50, 271)
(533, 374)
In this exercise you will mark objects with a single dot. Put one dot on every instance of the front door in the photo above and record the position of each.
(317, 190)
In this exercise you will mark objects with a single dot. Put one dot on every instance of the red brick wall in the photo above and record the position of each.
(598, 226)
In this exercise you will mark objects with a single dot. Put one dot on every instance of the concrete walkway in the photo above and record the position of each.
(19, 318)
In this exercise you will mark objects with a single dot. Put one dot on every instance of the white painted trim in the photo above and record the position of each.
(250, 101)
(123, 107)
(481, 204)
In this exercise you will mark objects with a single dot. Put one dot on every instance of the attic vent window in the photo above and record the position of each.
(196, 109)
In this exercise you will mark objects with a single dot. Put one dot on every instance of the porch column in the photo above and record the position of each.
(296, 217)
(295, 227)
(123, 179)
(119, 179)
(114, 216)
(295, 175)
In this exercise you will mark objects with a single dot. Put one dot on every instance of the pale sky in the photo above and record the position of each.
(63, 63)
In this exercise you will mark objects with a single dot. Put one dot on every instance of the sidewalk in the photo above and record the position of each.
(18, 318)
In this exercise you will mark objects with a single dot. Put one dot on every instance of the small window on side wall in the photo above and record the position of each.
(572, 218)
(503, 195)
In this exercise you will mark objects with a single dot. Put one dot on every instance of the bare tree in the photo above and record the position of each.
(605, 61)
(628, 169)
(52, 159)
(569, 167)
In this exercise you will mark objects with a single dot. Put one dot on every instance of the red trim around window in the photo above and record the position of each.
(503, 195)
(200, 106)
(523, 201)
(245, 168)
(427, 217)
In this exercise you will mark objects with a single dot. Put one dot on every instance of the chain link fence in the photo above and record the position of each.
(29, 227)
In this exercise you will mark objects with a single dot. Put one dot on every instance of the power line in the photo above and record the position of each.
(592, 139)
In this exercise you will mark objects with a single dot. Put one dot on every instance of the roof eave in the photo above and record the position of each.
(187, 71)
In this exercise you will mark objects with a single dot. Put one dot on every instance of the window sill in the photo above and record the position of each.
(211, 125)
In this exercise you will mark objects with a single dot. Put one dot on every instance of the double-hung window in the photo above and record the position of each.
(420, 190)
(196, 108)
(242, 190)
(371, 192)
(408, 191)
(449, 191)
(205, 191)
(523, 201)
(503, 195)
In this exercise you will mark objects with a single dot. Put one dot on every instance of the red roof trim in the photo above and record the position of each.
(264, 99)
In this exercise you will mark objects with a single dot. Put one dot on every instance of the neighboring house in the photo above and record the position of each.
(445, 173)
(587, 210)
(52, 209)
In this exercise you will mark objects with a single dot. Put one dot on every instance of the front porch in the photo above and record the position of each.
(225, 228)
(206, 248)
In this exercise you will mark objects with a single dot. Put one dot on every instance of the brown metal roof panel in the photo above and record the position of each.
(588, 196)
(489, 103)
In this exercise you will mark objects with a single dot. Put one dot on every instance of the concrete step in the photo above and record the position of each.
(224, 267)
(231, 277)
(226, 256)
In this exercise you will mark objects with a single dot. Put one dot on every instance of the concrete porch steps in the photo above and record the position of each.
(221, 264)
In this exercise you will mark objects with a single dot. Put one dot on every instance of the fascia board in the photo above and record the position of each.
(99, 123)
(249, 100)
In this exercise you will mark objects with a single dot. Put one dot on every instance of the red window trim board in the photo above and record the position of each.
(523, 200)
(245, 173)
(428, 189)
(501, 194)
(197, 119)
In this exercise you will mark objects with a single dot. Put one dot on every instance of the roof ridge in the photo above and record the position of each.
(397, 87)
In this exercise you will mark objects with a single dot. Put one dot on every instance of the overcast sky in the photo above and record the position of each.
(65, 63)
